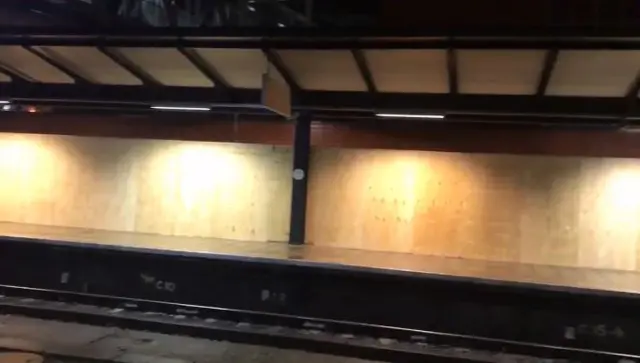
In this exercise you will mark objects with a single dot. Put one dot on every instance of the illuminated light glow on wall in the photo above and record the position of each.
(220, 185)
(566, 211)
(18, 154)
(230, 191)
(201, 170)
(622, 195)
(22, 157)
(610, 216)
(408, 169)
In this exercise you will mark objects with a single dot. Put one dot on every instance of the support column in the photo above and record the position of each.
(301, 152)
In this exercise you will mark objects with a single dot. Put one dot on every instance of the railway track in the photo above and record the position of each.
(332, 337)
(316, 308)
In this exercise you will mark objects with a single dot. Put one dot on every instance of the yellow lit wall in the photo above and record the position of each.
(580, 212)
(232, 191)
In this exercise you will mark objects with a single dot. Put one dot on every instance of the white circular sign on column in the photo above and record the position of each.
(298, 174)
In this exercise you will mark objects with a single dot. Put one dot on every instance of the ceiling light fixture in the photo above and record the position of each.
(4, 102)
(409, 115)
(180, 108)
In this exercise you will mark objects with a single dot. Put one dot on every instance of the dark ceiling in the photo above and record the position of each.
(420, 14)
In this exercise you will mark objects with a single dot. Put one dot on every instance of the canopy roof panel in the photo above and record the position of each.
(594, 73)
(500, 71)
(240, 68)
(409, 70)
(92, 64)
(469, 75)
(24, 61)
(324, 70)
(166, 65)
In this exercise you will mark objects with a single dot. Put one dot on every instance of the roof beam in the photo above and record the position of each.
(204, 67)
(274, 59)
(364, 69)
(313, 38)
(452, 70)
(16, 75)
(124, 95)
(463, 104)
(129, 66)
(56, 64)
(550, 60)
(429, 30)
(335, 102)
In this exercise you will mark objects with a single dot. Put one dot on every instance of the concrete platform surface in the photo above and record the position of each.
(567, 278)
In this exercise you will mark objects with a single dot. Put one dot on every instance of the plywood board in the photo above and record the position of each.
(27, 63)
(276, 95)
(168, 187)
(227, 191)
(324, 70)
(409, 71)
(93, 65)
(168, 66)
(594, 73)
(499, 71)
(577, 212)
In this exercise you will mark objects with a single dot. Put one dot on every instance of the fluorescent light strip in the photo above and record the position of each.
(407, 115)
(4, 102)
(179, 108)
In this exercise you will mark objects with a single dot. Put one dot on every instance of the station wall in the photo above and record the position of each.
(550, 210)
(183, 188)
(566, 211)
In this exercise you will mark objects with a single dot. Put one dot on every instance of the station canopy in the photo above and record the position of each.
(352, 74)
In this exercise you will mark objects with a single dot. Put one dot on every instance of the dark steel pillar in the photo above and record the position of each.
(301, 152)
